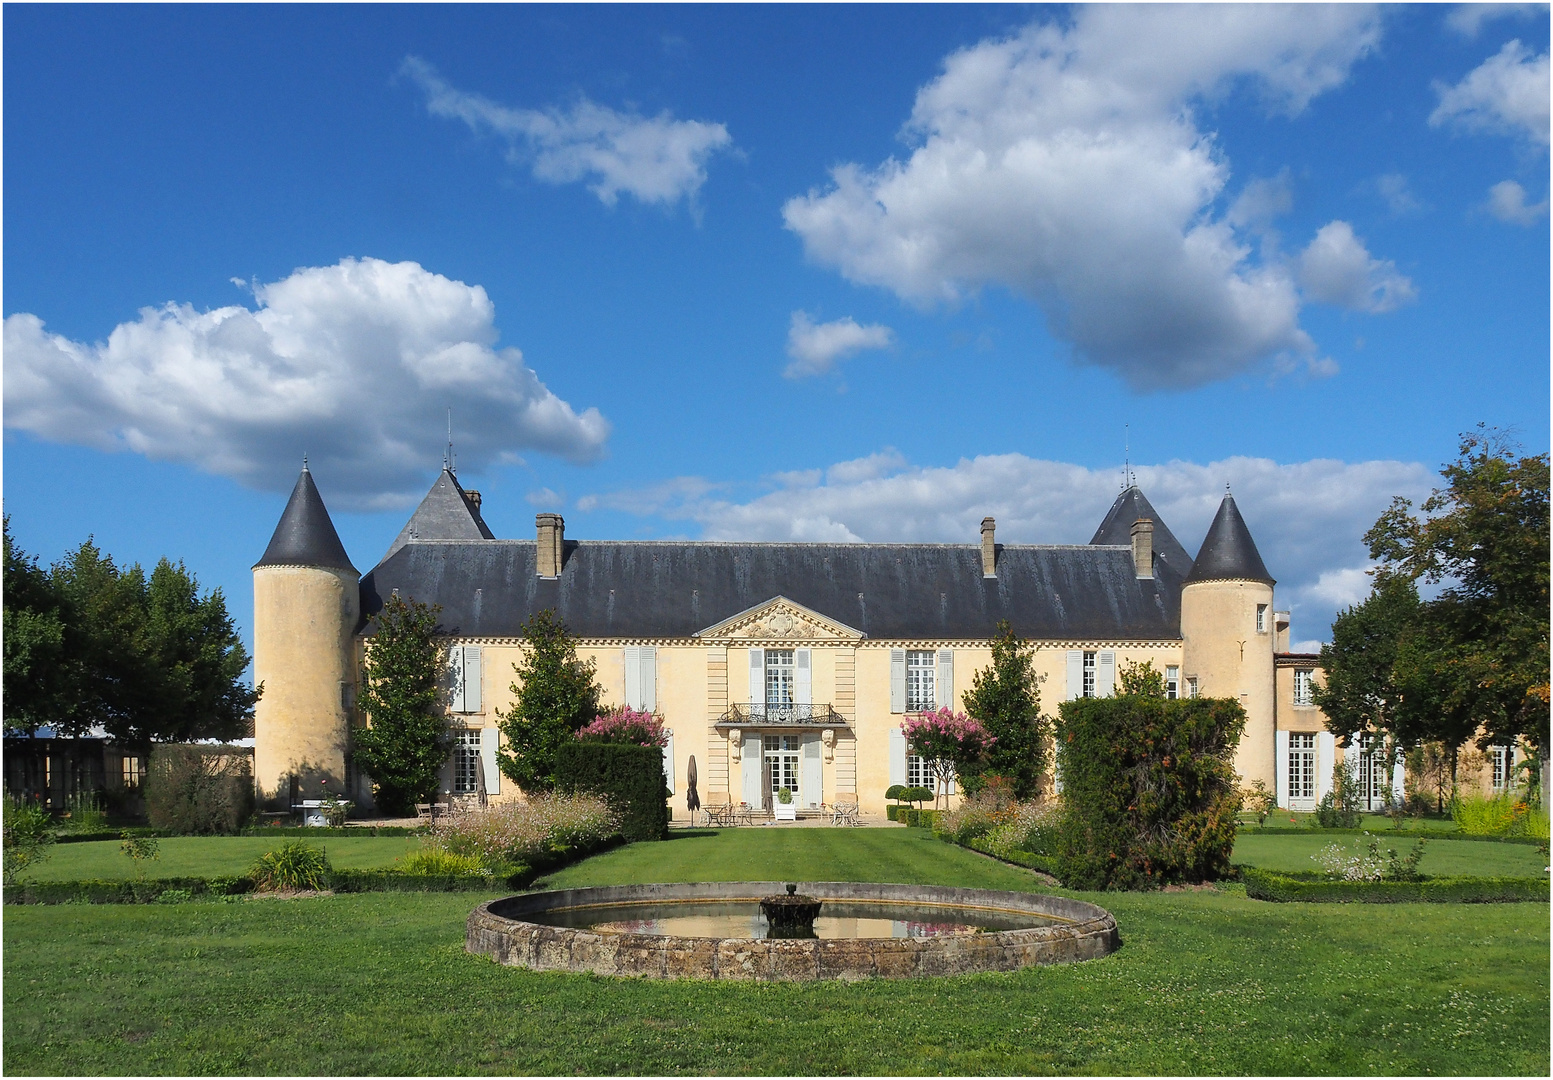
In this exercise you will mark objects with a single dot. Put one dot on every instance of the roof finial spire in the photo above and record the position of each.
(447, 453)
(1126, 456)
(1226, 488)
(304, 461)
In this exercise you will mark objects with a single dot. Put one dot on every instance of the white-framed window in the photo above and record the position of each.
(1089, 674)
(779, 677)
(134, 771)
(466, 761)
(1172, 682)
(1191, 686)
(1261, 618)
(781, 754)
(1500, 758)
(1304, 686)
(1302, 765)
(921, 666)
(463, 678)
(919, 775)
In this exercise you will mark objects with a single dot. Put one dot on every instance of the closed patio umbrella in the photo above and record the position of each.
(692, 800)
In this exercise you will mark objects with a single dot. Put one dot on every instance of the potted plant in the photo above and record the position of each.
(786, 809)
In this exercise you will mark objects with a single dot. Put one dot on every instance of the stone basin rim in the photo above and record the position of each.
(498, 929)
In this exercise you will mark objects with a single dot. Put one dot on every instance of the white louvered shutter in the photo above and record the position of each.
(750, 764)
(897, 756)
(489, 738)
(898, 684)
(943, 685)
(1105, 674)
(757, 676)
(1075, 674)
(1326, 760)
(455, 679)
(812, 778)
(1281, 765)
(803, 677)
(648, 678)
(668, 764)
(633, 665)
(471, 678)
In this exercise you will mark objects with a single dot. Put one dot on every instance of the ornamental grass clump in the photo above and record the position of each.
(505, 833)
(294, 866)
(1500, 815)
(437, 860)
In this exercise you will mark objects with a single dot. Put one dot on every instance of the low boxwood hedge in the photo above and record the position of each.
(1046, 864)
(1399, 834)
(921, 819)
(1309, 888)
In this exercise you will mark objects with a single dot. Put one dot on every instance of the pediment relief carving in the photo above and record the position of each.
(780, 620)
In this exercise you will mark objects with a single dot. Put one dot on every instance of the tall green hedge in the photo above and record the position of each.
(1149, 788)
(629, 777)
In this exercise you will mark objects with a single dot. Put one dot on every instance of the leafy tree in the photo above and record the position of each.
(407, 741)
(1358, 689)
(197, 661)
(34, 640)
(1477, 655)
(555, 696)
(949, 744)
(1141, 680)
(1006, 698)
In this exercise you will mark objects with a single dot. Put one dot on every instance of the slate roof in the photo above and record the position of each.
(1128, 508)
(656, 589)
(1228, 552)
(446, 513)
(305, 535)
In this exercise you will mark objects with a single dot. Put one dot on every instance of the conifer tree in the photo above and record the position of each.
(554, 697)
(407, 741)
(1006, 698)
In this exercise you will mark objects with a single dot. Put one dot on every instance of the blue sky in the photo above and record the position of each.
(793, 273)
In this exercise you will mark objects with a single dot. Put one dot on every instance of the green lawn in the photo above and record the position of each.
(209, 856)
(1205, 982)
(1441, 857)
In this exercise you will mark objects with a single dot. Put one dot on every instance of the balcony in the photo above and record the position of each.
(761, 714)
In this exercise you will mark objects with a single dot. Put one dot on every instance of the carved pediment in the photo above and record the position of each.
(779, 619)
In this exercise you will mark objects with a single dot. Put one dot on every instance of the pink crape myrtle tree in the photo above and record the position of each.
(946, 742)
(626, 725)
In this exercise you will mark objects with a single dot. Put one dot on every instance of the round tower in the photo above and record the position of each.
(1227, 635)
(306, 602)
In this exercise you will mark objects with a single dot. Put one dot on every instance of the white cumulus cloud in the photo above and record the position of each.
(1507, 94)
(1064, 163)
(654, 159)
(1469, 19)
(816, 347)
(1507, 202)
(1307, 517)
(355, 364)
(1336, 268)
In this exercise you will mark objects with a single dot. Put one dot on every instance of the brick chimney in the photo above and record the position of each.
(552, 533)
(1143, 547)
(989, 551)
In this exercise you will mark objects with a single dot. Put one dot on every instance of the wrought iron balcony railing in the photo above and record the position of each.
(760, 713)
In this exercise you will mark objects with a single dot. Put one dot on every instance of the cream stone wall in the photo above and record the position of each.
(304, 658)
(1222, 648)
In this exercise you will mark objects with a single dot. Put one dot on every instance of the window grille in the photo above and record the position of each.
(1261, 618)
(919, 681)
(1089, 674)
(1500, 756)
(1172, 682)
(779, 677)
(1302, 765)
(1304, 688)
(134, 771)
(466, 762)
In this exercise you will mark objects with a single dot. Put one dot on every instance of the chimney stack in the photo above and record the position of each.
(989, 551)
(1143, 547)
(552, 532)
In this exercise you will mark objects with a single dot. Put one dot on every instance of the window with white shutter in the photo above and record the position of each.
(898, 684)
(944, 690)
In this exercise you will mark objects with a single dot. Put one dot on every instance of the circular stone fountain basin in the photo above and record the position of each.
(713, 930)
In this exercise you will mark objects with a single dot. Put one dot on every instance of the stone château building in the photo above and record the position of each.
(776, 664)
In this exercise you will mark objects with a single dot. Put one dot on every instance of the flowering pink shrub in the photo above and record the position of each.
(947, 742)
(626, 725)
(509, 832)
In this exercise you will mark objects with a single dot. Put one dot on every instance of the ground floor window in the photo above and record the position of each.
(1499, 757)
(781, 753)
(134, 770)
(920, 774)
(1302, 765)
(466, 762)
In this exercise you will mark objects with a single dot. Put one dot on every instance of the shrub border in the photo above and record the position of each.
(1414, 834)
(1283, 888)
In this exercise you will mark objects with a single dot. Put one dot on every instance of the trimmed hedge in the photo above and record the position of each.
(1287, 888)
(629, 777)
(1401, 834)
(1046, 864)
(1149, 788)
(304, 831)
(917, 819)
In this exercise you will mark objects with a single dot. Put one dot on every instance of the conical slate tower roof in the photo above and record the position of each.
(305, 535)
(1228, 552)
(1116, 529)
(446, 513)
